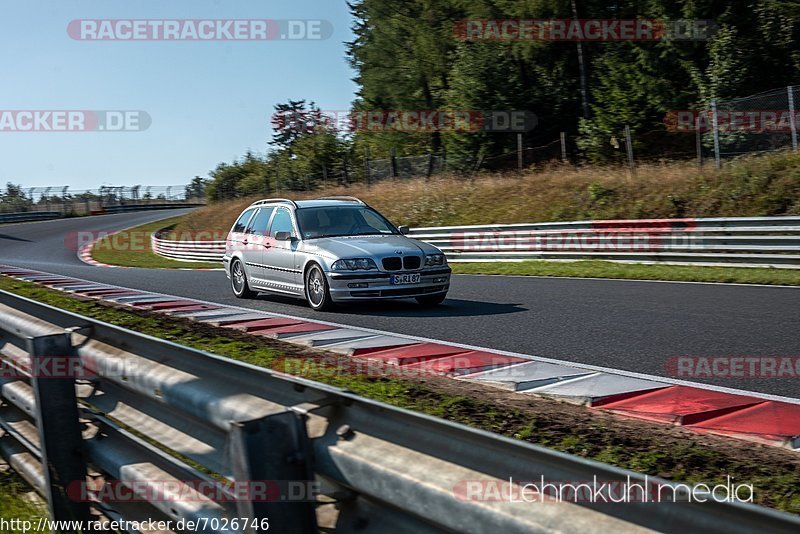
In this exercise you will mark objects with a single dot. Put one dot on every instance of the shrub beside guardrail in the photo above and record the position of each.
(742, 241)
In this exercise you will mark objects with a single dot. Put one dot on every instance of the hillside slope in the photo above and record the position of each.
(754, 186)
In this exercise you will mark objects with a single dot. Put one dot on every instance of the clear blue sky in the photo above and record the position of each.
(209, 101)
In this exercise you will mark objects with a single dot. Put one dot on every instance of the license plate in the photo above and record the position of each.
(398, 279)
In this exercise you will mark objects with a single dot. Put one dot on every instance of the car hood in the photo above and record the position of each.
(368, 246)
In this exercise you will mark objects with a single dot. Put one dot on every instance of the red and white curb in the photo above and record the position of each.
(85, 255)
(759, 417)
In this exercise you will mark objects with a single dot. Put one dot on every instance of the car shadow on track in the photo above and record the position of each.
(407, 308)
(13, 238)
(449, 308)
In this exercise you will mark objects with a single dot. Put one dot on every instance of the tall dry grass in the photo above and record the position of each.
(754, 186)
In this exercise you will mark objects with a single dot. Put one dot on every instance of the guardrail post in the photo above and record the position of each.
(275, 450)
(792, 117)
(715, 126)
(52, 371)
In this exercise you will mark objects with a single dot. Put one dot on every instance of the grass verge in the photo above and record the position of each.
(14, 504)
(658, 450)
(635, 271)
(131, 248)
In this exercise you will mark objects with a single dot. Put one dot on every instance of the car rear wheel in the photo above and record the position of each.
(432, 300)
(239, 281)
(318, 294)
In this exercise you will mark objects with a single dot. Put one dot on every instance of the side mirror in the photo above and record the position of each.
(405, 230)
(283, 236)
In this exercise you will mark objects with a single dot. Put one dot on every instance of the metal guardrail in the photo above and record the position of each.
(29, 216)
(151, 410)
(150, 206)
(743, 241)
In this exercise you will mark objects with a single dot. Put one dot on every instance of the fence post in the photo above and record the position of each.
(393, 157)
(698, 142)
(715, 126)
(564, 147)
(519, 152)
(275, 450)
(344, 170)
(366, 166)
(430, 166)
(52, 375)
(792, 118)
(629, 151)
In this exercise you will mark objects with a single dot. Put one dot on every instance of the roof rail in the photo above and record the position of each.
(274, 201)
(351, 199)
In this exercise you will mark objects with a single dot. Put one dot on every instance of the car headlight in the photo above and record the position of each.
(356, 264)
(433, 260)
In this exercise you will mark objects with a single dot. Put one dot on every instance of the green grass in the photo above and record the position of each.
(648, 448)
(14, 504)
(635, 271)
(131, 248)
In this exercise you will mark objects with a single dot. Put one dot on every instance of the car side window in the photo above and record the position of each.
(241, 223)
(282, 222)
(258, 226)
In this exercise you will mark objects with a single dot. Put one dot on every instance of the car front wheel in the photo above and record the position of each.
(239, 281)
(318, 294)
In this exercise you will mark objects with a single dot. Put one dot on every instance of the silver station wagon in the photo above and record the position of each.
(328, 251)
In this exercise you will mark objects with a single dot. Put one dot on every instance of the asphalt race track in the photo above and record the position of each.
(635, 326)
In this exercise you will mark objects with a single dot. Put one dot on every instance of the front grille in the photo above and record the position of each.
(392, 264)
(412, 262)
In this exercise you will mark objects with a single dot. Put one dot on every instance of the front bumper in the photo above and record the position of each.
(377, 285)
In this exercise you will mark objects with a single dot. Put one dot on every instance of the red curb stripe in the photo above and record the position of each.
(294, 329)
(105, 292)
(174, 305)
(467, 362)
(263, 324)
(412, 354)
(200, 307)
(771, 422)
(681, 405)
(365, 351)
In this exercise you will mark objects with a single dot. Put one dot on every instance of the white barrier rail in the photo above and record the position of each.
(743, 241)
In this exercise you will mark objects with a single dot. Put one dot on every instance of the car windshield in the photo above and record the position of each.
(337, 221)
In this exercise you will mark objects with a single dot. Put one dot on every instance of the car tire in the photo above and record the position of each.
(316, 288)
(431, 300)
(239, 283)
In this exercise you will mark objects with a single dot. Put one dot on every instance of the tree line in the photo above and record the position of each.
(409, 55)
